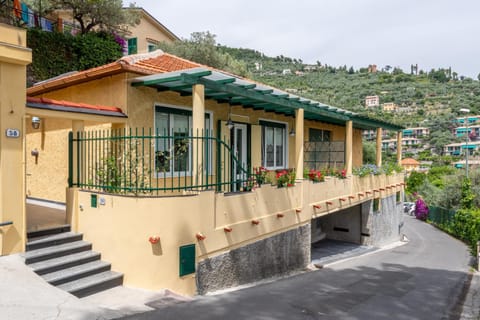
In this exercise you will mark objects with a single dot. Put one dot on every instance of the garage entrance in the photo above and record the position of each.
(337, 236)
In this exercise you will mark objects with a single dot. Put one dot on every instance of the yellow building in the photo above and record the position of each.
(410, 164)
(390, 106)
(155, 157)
(14, 57)
(146, 36)
(142, 38)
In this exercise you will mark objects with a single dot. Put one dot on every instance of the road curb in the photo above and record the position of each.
(470, 306)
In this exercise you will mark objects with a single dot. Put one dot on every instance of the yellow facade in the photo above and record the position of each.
(139, 104)
(149, 32)
(14, 56)
(120, 227)
(132, 221)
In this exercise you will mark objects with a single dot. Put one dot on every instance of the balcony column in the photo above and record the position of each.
(378, 161)
(399, 147)
(299, 124)
(198, 127)
(348, 147)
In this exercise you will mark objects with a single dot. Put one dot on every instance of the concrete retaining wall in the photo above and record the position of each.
(343, 225)
(273, 256)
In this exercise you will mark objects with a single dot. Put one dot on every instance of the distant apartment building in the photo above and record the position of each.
(457, 149)
(408, 143)
(372, 101)
(471, 120)
(416, 132)
(473, 132)
(390, 107)
(372, 134)
(389, 144)
(405, 109)
(310, 67)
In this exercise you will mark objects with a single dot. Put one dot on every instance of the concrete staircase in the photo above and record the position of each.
(64, 260)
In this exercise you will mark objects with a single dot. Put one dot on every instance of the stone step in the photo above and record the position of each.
(53, 240)
(48, 231)
(56, 251)
(93, 284)
(76, 272)
(64, 262)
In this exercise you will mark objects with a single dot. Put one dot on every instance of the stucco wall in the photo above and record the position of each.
(47, 173)
(343, 225)
(138, 103)
(14, 56)
(273, 256)
(147, 29)
(107, 91)
(120, 227)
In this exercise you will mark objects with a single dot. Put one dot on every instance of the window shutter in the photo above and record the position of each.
(132, 46)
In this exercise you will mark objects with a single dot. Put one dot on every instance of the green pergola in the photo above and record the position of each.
(226, 88)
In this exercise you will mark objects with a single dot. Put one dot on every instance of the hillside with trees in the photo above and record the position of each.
(435, 95)
(428, 94)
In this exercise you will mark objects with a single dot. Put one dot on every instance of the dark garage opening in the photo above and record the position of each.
(337, 236)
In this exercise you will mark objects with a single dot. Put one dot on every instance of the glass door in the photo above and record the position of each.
(239, 149)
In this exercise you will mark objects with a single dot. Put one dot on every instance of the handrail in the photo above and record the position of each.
(6, 223)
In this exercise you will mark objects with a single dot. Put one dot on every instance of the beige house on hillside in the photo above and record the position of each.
(160, 162)
(141, 38)
(146, 36)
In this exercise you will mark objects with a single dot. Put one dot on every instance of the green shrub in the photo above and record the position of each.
(466, 226)
(55, 53)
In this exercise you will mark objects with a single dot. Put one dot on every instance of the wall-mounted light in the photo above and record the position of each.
(35, 122)
(292, 133)
(229, 124)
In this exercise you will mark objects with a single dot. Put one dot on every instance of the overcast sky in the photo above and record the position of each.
(430, 33)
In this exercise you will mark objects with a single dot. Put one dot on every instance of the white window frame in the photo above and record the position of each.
(264, 147)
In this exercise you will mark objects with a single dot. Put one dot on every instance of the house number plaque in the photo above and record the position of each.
(12, 133)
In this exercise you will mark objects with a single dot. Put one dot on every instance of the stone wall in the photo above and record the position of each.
(383, 226)
(273, 256)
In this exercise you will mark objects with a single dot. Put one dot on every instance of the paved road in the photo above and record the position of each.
(420, 280)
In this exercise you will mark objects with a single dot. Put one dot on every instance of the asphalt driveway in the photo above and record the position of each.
(423, 279)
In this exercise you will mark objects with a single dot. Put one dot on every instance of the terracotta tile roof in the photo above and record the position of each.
(143, 64)
(166, 63)
(61, 105)
(410, 161)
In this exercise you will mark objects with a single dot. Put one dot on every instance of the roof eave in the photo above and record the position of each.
(85, 76)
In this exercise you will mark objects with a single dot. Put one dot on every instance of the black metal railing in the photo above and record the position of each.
(143, 161)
